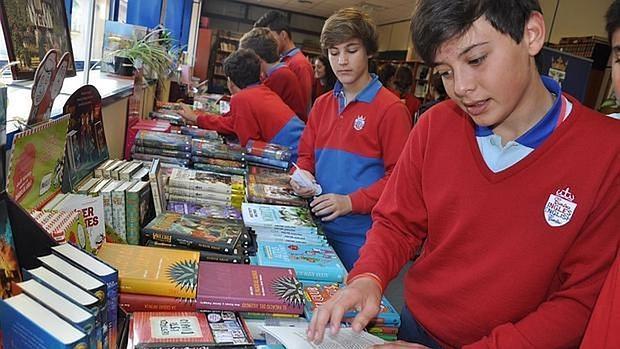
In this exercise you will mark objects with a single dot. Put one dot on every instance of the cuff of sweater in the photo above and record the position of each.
(374, 277)
(359, 204)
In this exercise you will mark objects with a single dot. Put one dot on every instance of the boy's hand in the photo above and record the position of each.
(188, 113)
(304, 192)
(400, 344)
(332, 206)
(363, 294)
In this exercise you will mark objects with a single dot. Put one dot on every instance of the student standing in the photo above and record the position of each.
(324, 78)
(403, 82)
(276, 75)
(509, 192)
(256, 112)
(278, 23)
(353, 137)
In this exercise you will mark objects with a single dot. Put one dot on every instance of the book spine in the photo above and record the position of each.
(151, 143)
(119, 213)
(111, 282)
(153, 288)
(161, 151)
(108, 214)
(137, 302)
(133, 217)
(198, 185)
(166, 159)
(156, 195)
(224, 198)
(184, 240)
(264, 305)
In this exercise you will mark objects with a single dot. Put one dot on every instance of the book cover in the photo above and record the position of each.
(9, 267)
(65, 226)
(153, 271)
(157, 187)
(225, 199)
(28, 324)
(35, 169)
(93, 211)
(139, 210)
(254, 288)
(3, 106)
(218, 162)
(164, 159)
(131, 303)
(229, 330)
(196, 132)
(206, 181)
(210, 211)
(268, 150)
(171, 330)
(218, 169)
(119, 212)
(318, 263)
(268, 162)
(218, 150)
(275, 216)
(236, 257)
(317, 293)
(163, 140)
(194, 231)
(161, 151)
(111, 235)
(102, 271)
(274, 194)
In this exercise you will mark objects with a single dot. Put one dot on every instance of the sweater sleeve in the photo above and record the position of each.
(240, 121)
(305, 157)
(399, 218)
(392, 134)
(222, 124)
(561, 320)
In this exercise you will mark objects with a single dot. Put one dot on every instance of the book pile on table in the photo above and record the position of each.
(269, 186)
(168, 147)
(168, 111)
(204, 187)
(268, 155)
(210, 155)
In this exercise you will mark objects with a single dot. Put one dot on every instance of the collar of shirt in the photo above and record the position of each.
(545, 126)
(366, 95)
(289, 53)
(274, 68)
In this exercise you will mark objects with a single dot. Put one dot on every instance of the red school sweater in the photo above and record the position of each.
(285, 84)
(302, 68)
(510, 259)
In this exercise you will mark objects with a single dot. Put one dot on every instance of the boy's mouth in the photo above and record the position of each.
(477, 108)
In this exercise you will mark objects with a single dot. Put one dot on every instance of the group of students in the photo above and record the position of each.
(506, 195)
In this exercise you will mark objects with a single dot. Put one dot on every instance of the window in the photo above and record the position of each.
(79, 22)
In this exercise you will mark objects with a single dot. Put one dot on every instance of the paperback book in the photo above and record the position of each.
(206, 181)
(209, 211)
(236, 257)
(163, 140)
(277, 216)
(9, 267)
(131, 303)
(218, 168)
(218, 150)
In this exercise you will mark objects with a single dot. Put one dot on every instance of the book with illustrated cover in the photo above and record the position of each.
(218, 150)
(267, 162)
(86, 144)
(225, 199)
(295, 337)
(196, 132)
(119, 210)
(160, 151)
(153, 271)
(207, 181)
(157, 186)
(274, 194)
(9, 267)
(210, 211)
(193, 231)
(218, 162)
(254, 288)
(268, 176)
(236, 257)
(35, 169)
(318, 263)
(178, 162)
(139, 209)
(229, 330)
(65, 226)
(163, 140)
(218, 168)
(277, 216)
(93, 211)
(317, 293)
(3, 106)
(268, 150)
(131, 303)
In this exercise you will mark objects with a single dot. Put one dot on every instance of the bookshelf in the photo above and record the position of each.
(421, 76)
(224, 43)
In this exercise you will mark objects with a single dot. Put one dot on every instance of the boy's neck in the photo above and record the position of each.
(352, 90)
(289, 46)
(266, 67)
(533, 106)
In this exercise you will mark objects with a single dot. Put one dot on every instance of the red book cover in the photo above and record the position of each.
(167, 329)
(244, 287)
(131, 302)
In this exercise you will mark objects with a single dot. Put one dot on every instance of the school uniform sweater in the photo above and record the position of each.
(257, 113)
(508, 259)
(281, 80)
(302, 68)
(351, 151)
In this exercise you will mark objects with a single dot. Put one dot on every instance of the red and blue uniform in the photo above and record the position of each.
(256, 112)
(351, 150)
(281, 80)
(513, 248)
(302, 68)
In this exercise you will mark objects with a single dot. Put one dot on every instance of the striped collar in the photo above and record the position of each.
(366, 95)
(289, 53)
(274, 68)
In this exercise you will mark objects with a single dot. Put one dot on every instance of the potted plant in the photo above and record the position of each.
(151, 53)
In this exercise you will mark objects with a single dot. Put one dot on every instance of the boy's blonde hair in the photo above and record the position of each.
(350, 23)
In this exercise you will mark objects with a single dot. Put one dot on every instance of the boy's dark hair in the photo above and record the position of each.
(242, 67)
(613, 19)
(436, 21)
(349, 23)
(403, 78)
(386, 72)
(262, 42)
(274, 20)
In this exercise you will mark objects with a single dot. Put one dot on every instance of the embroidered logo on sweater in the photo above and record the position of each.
(359, 123)
(560, 207)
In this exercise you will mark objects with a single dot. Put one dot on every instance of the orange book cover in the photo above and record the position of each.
(153, 271)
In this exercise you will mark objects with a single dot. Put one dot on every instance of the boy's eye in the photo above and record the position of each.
(477, 61)
(445, 74)
(352, 51)
(333, 53)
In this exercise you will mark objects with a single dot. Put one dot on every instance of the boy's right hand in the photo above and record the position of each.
(188, 113)
(305, 192)
(363, 294)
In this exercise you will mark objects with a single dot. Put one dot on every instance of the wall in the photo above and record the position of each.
(575, 17)
(394, 37)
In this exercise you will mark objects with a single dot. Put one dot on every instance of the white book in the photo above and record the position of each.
(60, 284)
(76, 275)
(106, 195)
(94, 215)
(99, 170)
(85, 187)
(295, 337)
(128, 172)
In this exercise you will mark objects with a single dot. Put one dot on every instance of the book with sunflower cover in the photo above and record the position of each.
(253, 288)
(153, 271)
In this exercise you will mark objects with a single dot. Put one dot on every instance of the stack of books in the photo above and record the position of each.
(168, 111)
(385, 325)
(170, 148)
(198, 133)
(204, 187)
(267, 186)
(216, 156)
(268, 155)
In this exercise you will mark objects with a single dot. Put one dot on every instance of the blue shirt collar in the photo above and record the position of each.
(274, 68)
(366, 95)
(544, 127)
(290, 53)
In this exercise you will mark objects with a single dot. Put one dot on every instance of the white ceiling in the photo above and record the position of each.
(383, 11)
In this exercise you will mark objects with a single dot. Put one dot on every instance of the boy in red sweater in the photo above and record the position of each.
(509, 193)
(277, 22)
(276, 75)
(256, 112)
(353, 137)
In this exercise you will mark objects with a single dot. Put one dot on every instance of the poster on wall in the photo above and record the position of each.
(570, 71)
(31, 28)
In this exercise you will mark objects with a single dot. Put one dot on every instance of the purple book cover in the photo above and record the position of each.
(253, 288)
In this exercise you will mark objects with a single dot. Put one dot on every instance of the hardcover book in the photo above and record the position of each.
(140, 210)
(268, 150)
(318, 263)
(35, 170)
(236, 257)
(273, 194)
(161, 151)
(254, 288)
(9, 268)
(131, 303)
(210, 211)
(196, 132)
(217, 168)
(157, 187)
(93, 211)
(206, 181)
(194, 231)
(274, 217)
(178, 162)
(163, 140)
(218, 150)
(153, 271)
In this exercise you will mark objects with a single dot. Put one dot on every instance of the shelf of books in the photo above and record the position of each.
(194, 232)
(224, 43)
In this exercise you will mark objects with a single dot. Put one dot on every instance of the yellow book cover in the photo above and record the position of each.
(153, 271)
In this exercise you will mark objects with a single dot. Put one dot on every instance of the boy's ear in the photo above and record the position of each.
(534, 33)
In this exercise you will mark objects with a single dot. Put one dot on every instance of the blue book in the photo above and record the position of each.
(74, 314)
(317, 293)
(319, 263)
(27, 324)
(102, 271)
(72, 293)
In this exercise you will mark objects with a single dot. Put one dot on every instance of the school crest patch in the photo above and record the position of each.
(560, 207)
(359, 123)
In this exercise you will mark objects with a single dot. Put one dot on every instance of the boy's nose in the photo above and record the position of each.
(463, 84)
(342, 59)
